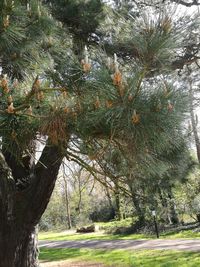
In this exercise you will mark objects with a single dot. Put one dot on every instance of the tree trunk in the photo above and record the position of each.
(18, 249)
(8, 239)
(198, 217)
(7, 247)
(164, 202)
(67, 201)
(119, 214)
(108, 196)
(21, 210)
(139, 211)
(173, 213)
(27, 252)
(137, 206)
(193, 121)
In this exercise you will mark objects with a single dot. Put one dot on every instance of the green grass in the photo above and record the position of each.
(182, 234)
(139, 258)
(60, 236)
(112, 225)
(109, 227)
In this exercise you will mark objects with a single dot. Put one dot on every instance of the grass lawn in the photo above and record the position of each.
(182, 234)
(122, 258)
(61, 236)
(139, 258)
(66, 235)
(109, 226)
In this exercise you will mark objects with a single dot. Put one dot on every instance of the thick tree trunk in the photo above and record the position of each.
(21, 210)
(7, 247)
(27, 252)
(8, 240)
(18, 248)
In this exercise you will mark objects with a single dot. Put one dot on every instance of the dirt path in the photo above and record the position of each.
(176, 244)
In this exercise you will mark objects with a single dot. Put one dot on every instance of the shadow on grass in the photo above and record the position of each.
(144, 258)
(94, 236)
(59, 254)
(116, 257)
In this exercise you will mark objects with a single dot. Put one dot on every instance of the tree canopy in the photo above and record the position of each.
(105, 89)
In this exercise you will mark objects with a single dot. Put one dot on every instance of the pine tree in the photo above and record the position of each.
(132, 105)
(25, 27)
(76, 16)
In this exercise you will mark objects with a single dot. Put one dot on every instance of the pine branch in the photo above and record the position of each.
(92, 170)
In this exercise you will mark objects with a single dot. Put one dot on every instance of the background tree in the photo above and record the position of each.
(187, 196)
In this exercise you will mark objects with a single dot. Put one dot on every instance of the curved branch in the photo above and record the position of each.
(43, 182)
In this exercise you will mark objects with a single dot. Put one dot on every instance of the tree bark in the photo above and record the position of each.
(139, 211)
(67, 201)
(172, 208)
(8, 241)
(164, 202)
(21, 210)
(198, 217)
(18, 248)
(108, 194)
(119, 214)
(7, 247)
(193, 121)
(137, 205)
(27, 252)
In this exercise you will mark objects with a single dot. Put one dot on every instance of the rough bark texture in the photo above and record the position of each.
(26, 253)
(21, 210)
(7, 226)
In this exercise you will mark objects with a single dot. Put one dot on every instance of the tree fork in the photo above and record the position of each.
(22, 210)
